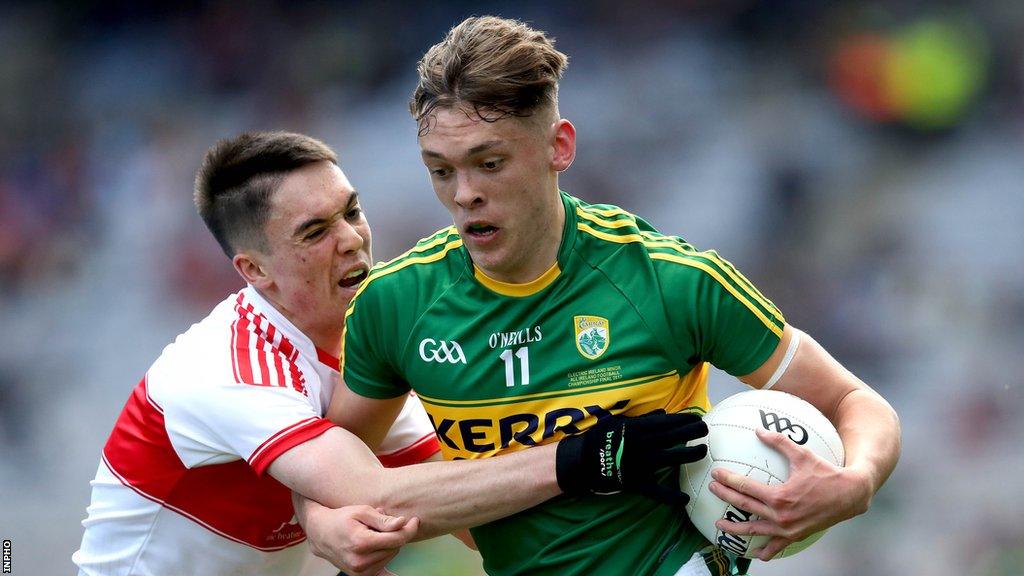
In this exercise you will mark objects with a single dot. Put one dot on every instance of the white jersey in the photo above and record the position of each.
(182, 485)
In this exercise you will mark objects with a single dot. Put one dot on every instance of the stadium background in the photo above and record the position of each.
(860, 161)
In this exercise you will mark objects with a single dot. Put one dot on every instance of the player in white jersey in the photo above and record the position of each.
(182, 486)
(227, 426)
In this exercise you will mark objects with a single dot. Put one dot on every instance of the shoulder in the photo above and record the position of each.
(604, 228)
(235, 345)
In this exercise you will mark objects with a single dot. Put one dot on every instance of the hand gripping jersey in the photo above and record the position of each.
(626, 322)
(182, 486)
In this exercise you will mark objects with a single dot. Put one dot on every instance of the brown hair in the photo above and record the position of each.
(237, 178)
(497, 66)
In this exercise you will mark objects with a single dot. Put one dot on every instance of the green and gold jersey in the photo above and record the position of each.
(626, 321)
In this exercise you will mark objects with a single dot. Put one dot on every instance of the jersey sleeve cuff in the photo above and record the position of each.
(373, 389)
(759, 354)
(414, 453)
(286, 439)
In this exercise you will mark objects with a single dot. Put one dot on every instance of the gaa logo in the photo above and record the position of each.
(783, 425)
(441, 351)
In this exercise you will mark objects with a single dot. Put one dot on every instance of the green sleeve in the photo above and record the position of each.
(714, 312)
(368, 363)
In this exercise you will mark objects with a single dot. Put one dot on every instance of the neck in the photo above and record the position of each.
(548, 241)
(327, 340)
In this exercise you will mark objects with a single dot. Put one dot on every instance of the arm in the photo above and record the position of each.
(368, 418)
(336, 469)
(817, 494)
(462, 534)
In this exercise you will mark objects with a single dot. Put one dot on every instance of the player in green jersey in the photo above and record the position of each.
(537, 316)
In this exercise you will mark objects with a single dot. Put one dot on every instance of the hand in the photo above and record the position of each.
(357, 539)
(817, 495)
(623, 453)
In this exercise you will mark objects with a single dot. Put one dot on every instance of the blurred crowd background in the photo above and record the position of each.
(861, 161)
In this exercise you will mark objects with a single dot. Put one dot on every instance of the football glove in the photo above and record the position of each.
(621, 453)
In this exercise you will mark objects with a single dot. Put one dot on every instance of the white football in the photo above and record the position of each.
(733, 445)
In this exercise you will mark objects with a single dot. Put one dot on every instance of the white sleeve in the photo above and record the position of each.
(212, 423)
(411, 438)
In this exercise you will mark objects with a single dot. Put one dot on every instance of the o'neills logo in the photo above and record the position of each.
(592, 335)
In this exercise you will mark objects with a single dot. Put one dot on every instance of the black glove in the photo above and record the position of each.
(624, 453)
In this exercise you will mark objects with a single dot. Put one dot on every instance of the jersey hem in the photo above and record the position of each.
(371, 390)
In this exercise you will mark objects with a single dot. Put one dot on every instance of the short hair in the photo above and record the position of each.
(496, 66)
(239, 175)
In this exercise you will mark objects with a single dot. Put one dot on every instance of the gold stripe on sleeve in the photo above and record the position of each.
(606, 223)
(732, 290)
(740, 280)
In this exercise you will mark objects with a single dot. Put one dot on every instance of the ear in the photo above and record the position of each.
(564, 145)
(250, 270)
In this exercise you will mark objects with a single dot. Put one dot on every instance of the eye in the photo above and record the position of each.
(315, 234)
(492, 164)
(354, 213)
(439, 172)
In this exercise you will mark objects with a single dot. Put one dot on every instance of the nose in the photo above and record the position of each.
(349, 238)
(467, 195)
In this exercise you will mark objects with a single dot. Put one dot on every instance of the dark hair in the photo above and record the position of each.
(237, 178)
(496, 66)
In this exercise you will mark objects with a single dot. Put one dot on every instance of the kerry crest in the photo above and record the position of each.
(592, 335)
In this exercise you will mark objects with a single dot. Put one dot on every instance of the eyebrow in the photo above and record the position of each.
(316, 221)
(474, 150)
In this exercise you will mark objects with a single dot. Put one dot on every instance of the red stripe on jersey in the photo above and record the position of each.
(414, 453)
(298, 380)
(327, 359)
(285, 345)
(200, 521)
(278, 362)
(279, 370)
(263, 348)
(261, 359)
(229, 499)
(285, 440)
(253, 333)
(240, 350)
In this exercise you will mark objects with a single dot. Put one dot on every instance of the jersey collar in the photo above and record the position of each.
(518, 290)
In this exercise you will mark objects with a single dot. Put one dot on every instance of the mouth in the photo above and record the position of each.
(354, 277)
(480, 230)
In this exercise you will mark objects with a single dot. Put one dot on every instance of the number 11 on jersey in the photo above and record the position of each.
(524, 366)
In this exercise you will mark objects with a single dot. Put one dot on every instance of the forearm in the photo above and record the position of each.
(867, 424)
(445, 496)
(450, 495)
(870, 430)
